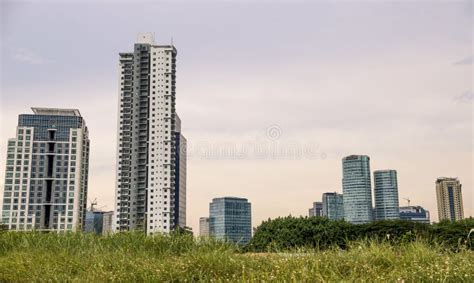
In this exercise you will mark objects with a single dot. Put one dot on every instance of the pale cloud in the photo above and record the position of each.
(465, 61)
(465, 97)
(28, 56)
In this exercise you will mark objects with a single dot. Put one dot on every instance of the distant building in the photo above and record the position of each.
(94, 222)
(99, 222)
(317, 209)
(386, 195)
(230, 219)
(46, 175)
(449, 196)
(204, 226)
(415, 213)
(333, 206)
(107, 222)
(356, 187)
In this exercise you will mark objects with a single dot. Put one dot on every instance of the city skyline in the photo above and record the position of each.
(320, 70)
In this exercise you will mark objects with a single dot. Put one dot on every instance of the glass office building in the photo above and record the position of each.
(99, 222)
(333, 206)
(356, 187)
(230, 219)
(47, 172)
(316, 210)
(94, 222)
(386, 195)
(415, 213)
(204, 226)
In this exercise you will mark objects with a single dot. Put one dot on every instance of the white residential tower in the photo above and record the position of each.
(151, 151)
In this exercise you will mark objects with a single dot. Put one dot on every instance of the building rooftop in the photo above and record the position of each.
(355, 157)
(56, 111)
(440, 179)
(230, 198)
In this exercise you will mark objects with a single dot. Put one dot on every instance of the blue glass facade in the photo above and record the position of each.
(415, 213)
(42, 123)
(317, 209)
(333, 206)
(230, 219)
(451, 203)
(94, 222)
(386, 195)
(356, 187)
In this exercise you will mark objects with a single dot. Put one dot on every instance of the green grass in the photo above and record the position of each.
(128, 257)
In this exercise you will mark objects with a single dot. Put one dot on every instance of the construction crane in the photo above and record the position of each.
(93, 203)
(408, 201)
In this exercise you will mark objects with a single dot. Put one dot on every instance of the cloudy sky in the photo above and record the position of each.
(271, 95)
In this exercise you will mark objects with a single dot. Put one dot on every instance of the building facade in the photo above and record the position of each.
(356, 186)
(47, 172)
(99, 222)
(333, 206)
(449, 197)
(386, 195)
(415, 213)
(204, 226)
(94, 222)
(230, 219)
(151, 154)
(107, 222)
(316, 210)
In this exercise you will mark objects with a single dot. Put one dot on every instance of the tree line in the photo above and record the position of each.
(285, 233)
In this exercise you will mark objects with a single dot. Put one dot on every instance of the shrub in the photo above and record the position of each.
(285, 233)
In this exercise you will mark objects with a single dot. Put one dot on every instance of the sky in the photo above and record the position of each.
(272, 95)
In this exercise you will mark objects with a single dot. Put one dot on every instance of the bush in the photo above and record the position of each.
(285, 233)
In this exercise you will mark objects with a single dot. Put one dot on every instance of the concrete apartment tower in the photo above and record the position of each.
(46, 172)
(357, 189)
(386, 195)
(151, 151)
(449, 196)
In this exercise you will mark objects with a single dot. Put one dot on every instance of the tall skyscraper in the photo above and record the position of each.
(333, 206)
(386, 195)
(356, 189)
(47, 172)
(415, 213)
(449, 195)
(204, 226)
(317, 209)
(230, 219)
(151, 157)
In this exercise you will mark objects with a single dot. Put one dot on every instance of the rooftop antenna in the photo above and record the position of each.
(408, 201)
(171, 41)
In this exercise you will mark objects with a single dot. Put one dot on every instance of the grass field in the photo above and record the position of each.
(26, 257)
